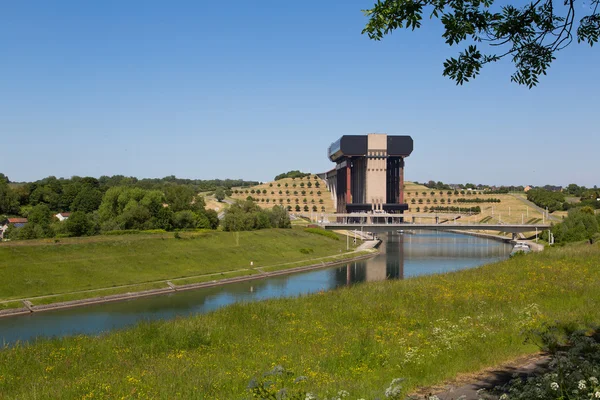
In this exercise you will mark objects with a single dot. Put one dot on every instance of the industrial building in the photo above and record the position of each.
(369, 172)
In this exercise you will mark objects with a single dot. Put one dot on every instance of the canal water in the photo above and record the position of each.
(402, 256)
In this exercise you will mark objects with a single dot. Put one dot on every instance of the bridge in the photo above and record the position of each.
(383, 222)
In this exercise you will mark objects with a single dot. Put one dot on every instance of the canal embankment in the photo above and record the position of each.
(365, 250)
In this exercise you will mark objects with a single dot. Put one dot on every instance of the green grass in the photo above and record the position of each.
(40, 268)
(425, 329)
(322, 232)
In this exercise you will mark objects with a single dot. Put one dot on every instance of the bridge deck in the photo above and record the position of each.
(383, 227)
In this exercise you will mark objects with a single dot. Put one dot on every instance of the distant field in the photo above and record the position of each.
(42, 267)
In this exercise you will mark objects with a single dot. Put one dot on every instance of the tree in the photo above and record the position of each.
(79, 224)
(220, 194)
(530, 35)
(9, 200)
(87, 200)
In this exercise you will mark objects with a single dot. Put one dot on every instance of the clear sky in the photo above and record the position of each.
(243, 89)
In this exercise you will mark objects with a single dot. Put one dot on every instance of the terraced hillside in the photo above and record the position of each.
(297, 194)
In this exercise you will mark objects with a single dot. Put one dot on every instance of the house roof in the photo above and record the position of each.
(64, 214)
(17, 220)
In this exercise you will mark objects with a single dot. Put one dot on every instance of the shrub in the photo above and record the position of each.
(306, 251)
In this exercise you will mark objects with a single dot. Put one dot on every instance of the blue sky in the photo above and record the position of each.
(200, 90)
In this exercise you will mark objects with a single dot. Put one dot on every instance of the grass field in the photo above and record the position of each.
(426, 330)
(44, 267)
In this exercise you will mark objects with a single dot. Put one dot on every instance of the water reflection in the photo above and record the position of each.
(401, 256)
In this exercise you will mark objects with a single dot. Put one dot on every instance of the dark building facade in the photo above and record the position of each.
(369, 172)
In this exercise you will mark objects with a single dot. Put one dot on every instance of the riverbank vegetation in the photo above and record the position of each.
(358, 339)
(580, 224)
(44, 267)
(248, 216)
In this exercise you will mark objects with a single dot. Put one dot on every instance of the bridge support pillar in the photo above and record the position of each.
(515, 236)
(414, 219)
(437, 220)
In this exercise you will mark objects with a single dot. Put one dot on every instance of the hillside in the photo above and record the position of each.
(297, 194)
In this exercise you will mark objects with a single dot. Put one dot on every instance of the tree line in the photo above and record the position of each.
(116, 203)
(478, 200)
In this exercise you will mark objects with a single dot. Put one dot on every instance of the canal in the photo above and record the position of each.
(402, 256)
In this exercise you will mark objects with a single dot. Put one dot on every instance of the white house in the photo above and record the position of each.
(62, 216)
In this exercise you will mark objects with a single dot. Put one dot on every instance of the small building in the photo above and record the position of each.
(527, 188)
(17, 222)
(62, 216)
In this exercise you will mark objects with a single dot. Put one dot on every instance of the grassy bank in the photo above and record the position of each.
(424, 329)
(39, 268)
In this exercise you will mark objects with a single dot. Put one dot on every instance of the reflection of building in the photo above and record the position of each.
(369, 172)
(389, 264)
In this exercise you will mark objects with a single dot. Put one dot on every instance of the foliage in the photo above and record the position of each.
(580, 224)
(529, 34)
(322, 232)
(81, 224)
(292, 174)
(247, 216)
(9, 201)
(573, 370)
(545, 198)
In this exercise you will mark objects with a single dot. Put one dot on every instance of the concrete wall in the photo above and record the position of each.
(376, 169)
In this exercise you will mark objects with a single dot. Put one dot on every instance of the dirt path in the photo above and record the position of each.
(473, 386)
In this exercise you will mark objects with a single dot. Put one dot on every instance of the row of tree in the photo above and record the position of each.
(478, 200)
(475, 210)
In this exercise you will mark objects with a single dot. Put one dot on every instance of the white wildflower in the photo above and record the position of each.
(597, 395)
(504, 397)
(342, 394)
(594, 380)
(310, 396)
(554, 386)
(581, 385)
